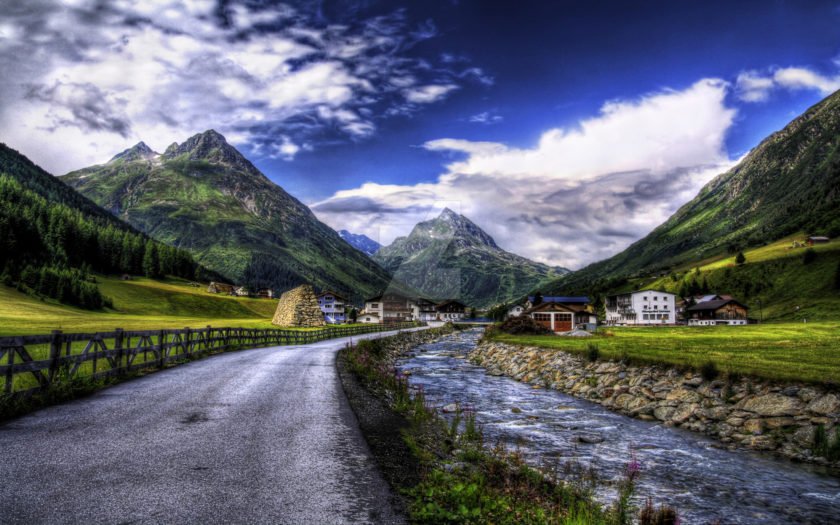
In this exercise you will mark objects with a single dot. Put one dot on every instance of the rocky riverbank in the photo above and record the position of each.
(788, 419)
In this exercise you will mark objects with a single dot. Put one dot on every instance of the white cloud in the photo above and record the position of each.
(580, 194)
(428, 94)
(162, 70)
(486, 117)
(753, 86)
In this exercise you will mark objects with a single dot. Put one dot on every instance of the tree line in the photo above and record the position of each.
(49, 248)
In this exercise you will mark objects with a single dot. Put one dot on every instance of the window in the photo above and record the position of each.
(655, 298)
(645, 298)
(647, 317)
(374, 305)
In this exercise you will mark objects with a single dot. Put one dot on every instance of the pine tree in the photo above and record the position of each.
(150, 260)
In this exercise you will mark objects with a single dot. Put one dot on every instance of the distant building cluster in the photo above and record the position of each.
(392, 307)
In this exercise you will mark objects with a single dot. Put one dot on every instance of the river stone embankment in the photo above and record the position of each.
(739, 412)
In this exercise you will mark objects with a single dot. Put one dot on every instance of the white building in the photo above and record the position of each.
(332, 305)
(369, 318)
(515, 311)
(423, 310)
(647, 307)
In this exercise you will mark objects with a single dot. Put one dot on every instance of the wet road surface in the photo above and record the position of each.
(257, 436)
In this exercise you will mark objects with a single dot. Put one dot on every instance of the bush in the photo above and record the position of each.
(592, 352)
(523, 325)
(662, 516)
(809, 256)
(709, 371)
(740, 259)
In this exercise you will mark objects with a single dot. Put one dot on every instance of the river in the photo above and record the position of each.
(682, 469)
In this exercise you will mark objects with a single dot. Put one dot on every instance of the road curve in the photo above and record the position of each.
(257, 436)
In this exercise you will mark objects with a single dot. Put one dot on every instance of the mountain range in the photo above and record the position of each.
(205, 196)
(361, 242)
(451, 257)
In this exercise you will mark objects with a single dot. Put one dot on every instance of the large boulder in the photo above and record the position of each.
(299, 308)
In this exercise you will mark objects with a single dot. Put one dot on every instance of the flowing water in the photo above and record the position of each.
(679, 468)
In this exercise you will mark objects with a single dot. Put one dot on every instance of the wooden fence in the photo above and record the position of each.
(33, 363)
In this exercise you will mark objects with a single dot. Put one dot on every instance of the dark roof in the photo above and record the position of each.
(575, 308)
(450, 301)
(713, 305)
(562, 299)
(336, 295)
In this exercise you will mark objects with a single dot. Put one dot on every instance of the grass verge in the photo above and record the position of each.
(442, 469)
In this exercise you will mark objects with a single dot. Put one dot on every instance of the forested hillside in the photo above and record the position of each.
(52, 238)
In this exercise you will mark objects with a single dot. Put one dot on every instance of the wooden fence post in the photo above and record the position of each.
(118, 350)
(162, 354)
(55, 356)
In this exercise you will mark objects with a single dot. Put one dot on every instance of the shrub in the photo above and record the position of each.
(809, 256)
(709, 371)
(664, 515)
(740, 259)
(592, 352)
(523, 325)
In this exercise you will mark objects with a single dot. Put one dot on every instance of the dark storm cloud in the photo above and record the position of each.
(88, 105)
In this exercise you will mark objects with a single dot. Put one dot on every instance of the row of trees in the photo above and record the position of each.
(61, 244)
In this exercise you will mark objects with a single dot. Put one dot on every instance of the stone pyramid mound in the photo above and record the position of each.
(299, 307)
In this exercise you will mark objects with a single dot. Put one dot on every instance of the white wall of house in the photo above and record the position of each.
(648, 307)
(516, 311)
(374, 307)
(369, 319)
(333, 308)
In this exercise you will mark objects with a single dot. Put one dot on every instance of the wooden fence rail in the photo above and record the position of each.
(33, 363)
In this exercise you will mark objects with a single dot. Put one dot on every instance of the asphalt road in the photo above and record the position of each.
(257, 436)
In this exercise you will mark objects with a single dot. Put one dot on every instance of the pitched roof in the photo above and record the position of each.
(712, 305)
(329, 292)
(450, 301)
(562, 299)
(575, 308)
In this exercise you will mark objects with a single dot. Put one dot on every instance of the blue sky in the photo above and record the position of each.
(567, 130)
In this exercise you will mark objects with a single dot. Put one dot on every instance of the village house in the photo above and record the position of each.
(240, 291)
(643, 307)
(216, 287)
(390, 307)
(423, 309)
(717, 312)
(451, 310)
(369, 318)
(332, 305)
(515, 311)
(265, 293)
(815, 239)
(563, 316)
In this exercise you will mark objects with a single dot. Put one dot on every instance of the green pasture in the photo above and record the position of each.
(807, 352)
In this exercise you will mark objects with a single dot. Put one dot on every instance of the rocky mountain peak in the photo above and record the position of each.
(210, 146)
(139, 151)
(456, 226)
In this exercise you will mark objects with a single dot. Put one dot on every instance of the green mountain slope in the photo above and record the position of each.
(787, 184)
(203, 195)
(51, 238)
(451, 257)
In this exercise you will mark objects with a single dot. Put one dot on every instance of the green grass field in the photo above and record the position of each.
(139, 304)
(774, 282)
(807, 352)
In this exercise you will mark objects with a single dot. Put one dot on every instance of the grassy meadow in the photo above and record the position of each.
(807, 352)
(775, 281)
(139, 304)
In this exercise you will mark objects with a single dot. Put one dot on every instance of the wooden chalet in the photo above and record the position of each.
(561, 317)
(451, 310)
(717, 311)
